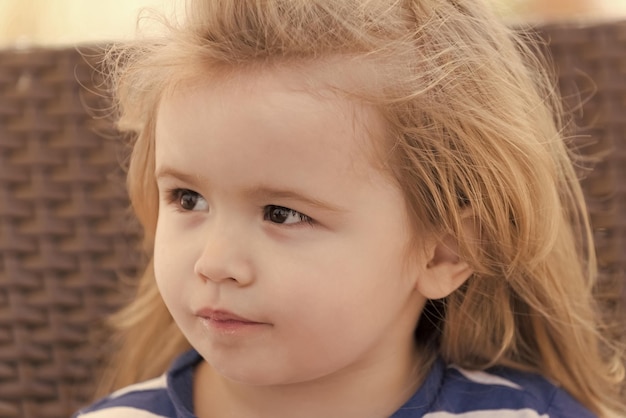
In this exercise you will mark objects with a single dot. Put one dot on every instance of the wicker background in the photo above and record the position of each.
(65, 237)
(63, 231)
(591, 65)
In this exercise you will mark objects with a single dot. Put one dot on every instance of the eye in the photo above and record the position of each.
(188, 200)
(282, 215)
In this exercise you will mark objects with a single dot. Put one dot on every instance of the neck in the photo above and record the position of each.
(367, 390)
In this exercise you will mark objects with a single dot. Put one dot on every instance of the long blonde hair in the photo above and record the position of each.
(472, 125)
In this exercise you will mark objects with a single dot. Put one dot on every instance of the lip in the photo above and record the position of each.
(224, 322)
(219, 315)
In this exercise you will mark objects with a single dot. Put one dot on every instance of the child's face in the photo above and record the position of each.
(271, 211)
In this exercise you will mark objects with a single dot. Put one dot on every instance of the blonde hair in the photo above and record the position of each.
(472, 127)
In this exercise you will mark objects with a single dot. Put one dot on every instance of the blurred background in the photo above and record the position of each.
(61, 22)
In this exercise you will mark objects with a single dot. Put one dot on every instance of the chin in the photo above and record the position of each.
(251, 376)
(268, 375)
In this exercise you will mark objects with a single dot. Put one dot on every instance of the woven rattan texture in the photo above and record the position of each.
(591, 65)
(63, 236)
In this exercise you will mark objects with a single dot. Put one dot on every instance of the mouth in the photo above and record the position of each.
(224, 320)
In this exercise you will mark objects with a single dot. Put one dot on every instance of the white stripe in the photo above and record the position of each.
(494, 413)
(156, 383)
(486, 378)
(120, 412)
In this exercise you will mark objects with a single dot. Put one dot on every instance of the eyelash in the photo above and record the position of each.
(267, 212)
(175, 196)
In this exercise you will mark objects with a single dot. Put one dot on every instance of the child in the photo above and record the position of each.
(315, 178)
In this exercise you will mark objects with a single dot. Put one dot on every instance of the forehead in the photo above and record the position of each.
(298, 112)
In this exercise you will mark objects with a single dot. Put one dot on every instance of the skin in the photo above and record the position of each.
(330, 283)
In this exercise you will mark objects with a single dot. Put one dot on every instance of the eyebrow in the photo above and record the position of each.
(271, 193)
(258, 192)
(162, 172)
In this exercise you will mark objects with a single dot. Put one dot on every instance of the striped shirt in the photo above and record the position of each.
(447, 392)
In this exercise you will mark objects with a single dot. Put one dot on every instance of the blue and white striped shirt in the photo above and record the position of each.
(447, 392)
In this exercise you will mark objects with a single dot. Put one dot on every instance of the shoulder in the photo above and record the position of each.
(504, 393)
(454, 392)
(170, 395)
(148, 399)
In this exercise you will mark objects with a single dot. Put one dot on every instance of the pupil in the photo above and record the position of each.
(188, 200)
(279, 215)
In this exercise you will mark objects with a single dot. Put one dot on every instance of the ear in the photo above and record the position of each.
(443, 270)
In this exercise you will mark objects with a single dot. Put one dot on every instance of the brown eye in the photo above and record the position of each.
(283, 215)
(188, 200)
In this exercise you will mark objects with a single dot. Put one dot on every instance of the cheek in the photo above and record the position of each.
(307, 287)
(161, 252)
(337, 284)
(331, 313)
(171, 262)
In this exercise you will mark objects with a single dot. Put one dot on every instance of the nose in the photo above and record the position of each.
(224, 257)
